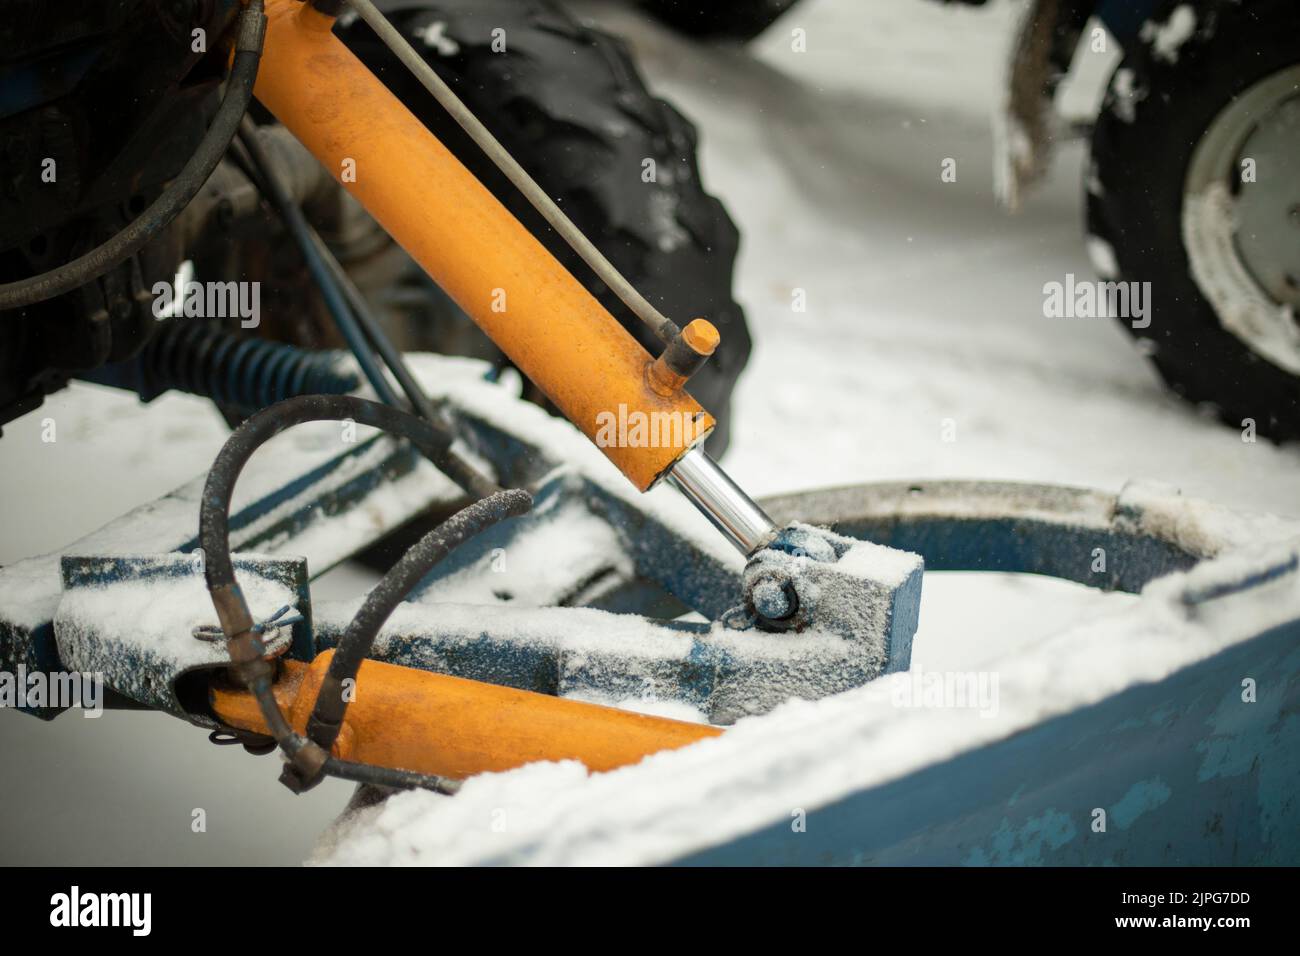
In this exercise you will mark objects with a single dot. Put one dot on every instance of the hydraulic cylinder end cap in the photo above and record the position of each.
(702, 337)
(684, 356)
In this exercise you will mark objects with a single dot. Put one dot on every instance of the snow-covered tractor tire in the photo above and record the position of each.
(1172, 200)
(570, 105)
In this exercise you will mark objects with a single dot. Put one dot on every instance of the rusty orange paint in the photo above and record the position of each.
(549, 325)
(701, 337)
(432, 723)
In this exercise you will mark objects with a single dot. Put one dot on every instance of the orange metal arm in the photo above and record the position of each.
(431, 723)
(504, 279)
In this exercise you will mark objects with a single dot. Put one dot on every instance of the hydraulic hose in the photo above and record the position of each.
(306, 760)
(355, 645)
(163, 210)
(433, 441)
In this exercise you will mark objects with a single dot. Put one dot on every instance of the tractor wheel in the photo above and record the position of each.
(1194, 187)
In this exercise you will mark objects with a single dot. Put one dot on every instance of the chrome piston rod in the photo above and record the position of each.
(732, 512)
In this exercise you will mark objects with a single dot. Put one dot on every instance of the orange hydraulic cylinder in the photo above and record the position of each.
(431, 723)
(548, 324)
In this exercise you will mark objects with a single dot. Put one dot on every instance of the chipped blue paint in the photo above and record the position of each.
(1227, 754)
(1143, 797)
(1024, 844)
(1028, 799)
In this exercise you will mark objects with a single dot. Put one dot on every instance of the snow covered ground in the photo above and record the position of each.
(924, 322)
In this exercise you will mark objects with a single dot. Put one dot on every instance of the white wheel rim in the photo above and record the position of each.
(1243, 237)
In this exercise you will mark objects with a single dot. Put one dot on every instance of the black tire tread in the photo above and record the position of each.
(568, 102)
(1141, 168)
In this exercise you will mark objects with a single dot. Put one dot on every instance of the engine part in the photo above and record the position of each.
(320, 264)
(93, 132)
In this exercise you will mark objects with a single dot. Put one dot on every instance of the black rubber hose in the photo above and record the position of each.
(331, 702)
(431, 438)
(163, 210)
(306, 762)
(387, 776)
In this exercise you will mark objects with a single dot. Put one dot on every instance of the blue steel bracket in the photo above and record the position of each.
(547, 621)
(317, 500)
(504, 609)
(869, 594)
(145, 625)
(586, 594)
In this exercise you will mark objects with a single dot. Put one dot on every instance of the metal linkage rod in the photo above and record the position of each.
(301, 231)
(374, 332)
(358, 323)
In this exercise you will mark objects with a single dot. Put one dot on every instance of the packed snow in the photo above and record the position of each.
(1167, 38)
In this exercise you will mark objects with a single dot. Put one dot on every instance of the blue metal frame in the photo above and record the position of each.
(1210, 780)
